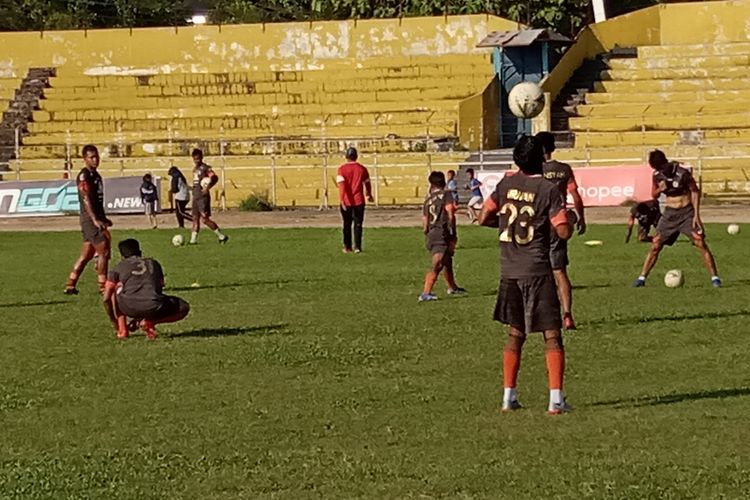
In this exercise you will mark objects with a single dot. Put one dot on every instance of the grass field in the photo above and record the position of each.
(305, 373)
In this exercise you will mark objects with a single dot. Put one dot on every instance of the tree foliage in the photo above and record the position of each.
(567, 16)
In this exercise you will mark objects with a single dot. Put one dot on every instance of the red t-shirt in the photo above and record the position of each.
(351, 178)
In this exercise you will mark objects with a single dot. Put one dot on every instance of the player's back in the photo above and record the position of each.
(353, 174)
(558, 173)
(435, 208)
(526, 204)
(139, 280)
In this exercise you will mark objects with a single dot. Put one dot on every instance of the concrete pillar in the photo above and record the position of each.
(600, 10)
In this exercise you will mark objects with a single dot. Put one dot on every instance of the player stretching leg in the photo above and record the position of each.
(204, 179)
(561, 175)
(134, 288)
(647, 214)
(528, 209)
(439, 226)
(94, 223)
(681, 215)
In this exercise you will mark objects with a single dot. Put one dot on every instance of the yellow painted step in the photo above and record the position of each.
(714, 49)
(657, 108)
(644, 87)
(735, 72)
(707, 61)
(698, 122)
(660, 138)
(668, 97)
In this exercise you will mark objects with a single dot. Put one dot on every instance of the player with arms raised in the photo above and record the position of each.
(134, 288)
(439, 227)
(561, 175)
(204, 179)
(528, 209)
(681, 215)
(94, 222)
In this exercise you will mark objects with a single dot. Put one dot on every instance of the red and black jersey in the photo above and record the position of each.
(91, 183)
(561, 175)
(139, 281)
(201, 172)
(677, 179)
(528, 207)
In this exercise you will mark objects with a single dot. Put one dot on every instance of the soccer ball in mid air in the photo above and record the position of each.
(733, 229)
(674, 278)
(178, 240)
(526, 100)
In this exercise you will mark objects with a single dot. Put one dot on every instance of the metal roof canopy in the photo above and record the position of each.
(522, 38)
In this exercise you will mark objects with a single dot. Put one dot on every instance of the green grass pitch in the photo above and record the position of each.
(305, 373)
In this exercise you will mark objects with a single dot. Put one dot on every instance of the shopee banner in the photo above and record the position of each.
(598, 186)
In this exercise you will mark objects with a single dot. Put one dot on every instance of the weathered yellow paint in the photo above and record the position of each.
(478, 119)
(705, 22)
(256, 47)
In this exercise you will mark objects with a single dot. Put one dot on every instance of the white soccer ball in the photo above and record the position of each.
(526, 100)
(178, 240)
(205, 182)
(733, 229)
(674, 278)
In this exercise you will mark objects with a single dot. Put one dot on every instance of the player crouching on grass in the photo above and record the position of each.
(681, 215)
(527, 209)
(134, 289)
(439, 226)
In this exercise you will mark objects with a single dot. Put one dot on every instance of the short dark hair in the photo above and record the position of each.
(657, 158)
(437, 179)
(197, 152)
(89, 148)
(452, 172)
(129, 248)
(147, 177)
(528, 155)
(351, 154)
(470, 171)
(547, 141)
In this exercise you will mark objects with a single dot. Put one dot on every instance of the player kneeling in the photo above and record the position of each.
(134, 289)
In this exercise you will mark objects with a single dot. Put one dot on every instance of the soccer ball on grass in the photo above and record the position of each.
(526, 100)
(733, 229)
(674, 278)
(178, 240)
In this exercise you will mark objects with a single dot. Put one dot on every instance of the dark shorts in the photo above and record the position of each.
(436, 244)
(202, 206)
(93, 234)
(558, 252)
(529, 304)
(164, 308)
(674, 222)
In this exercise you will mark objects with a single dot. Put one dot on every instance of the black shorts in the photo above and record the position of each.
(202, 206)
(558, 252)
(441, 244)
(93, 234)
(676, 221)
(529, 304)
(165, 307)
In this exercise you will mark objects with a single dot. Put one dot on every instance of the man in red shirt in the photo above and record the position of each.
(354, 184)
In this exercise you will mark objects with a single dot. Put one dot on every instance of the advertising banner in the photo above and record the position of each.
(44, 198)
(598, 186)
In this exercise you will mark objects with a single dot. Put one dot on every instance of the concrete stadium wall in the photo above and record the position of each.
(253, 47)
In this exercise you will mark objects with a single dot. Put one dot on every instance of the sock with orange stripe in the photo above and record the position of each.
(429, 281)
(555, 371)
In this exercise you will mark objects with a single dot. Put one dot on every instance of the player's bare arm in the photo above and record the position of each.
(368, 188)
(561, 224)
(488, 216)
(425, 224)
(695, 199)
(214, 180)
(578, 205)
(657, 188)
(451, 211)
(631, 222)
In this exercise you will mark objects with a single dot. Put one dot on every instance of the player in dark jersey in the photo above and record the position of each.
(94, 222)
(647, 213)
(681, 215)
(439, 226)
(528, 209)
(204, 179)
(561, 175)
(134, 289)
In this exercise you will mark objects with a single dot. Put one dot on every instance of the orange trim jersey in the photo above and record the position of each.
(90, 183)
(437, 208)
(529, 207)
(561, 175)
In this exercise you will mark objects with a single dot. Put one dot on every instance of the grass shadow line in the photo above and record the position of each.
(659, 319)
(256, 331)
(218, 286)
(638, 402)
(34, 304)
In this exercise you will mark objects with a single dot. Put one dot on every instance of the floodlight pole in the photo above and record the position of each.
(600, 10)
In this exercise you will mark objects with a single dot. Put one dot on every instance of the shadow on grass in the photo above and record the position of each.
(669, 399)
(664, 319)
(590, 287)
(35, 304)
(218, 286)
(256, 331)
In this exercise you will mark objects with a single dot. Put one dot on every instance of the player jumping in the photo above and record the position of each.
(134, 289)
(94, 223)
(647, 214)
(527, 209)
(439, 226)
(681, 215)
(561, 175)
(202, 198)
